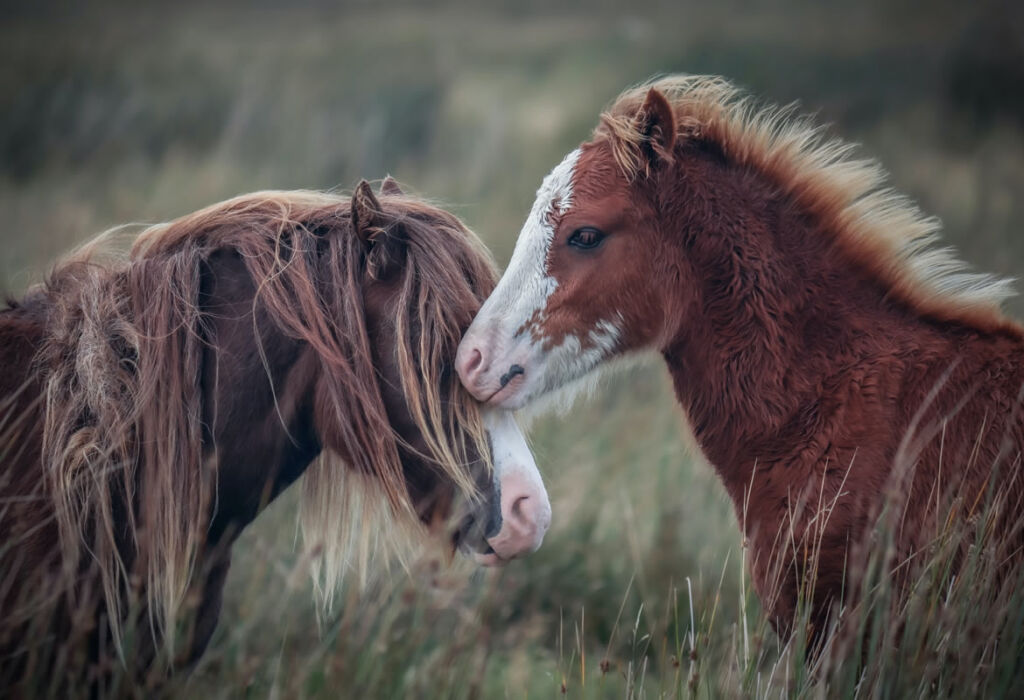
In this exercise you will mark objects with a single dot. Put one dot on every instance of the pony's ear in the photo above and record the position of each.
(366, 213)
(390, 186)
(387, 253)
(656, 123)
(385, 245)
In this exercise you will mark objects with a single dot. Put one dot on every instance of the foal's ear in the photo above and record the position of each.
(390, 186)
(385, 245)
(656, 122)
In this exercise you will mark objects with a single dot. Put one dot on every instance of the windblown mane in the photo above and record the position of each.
(121, 368)
(878, 227)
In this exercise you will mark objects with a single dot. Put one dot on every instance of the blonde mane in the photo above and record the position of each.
(880, 228)
(121, 367)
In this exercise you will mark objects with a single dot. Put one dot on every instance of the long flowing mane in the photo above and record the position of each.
(879, 228)
(120, 366)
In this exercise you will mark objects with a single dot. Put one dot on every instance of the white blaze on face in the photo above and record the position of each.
(499, 340)
(525, 287)
(525, 508)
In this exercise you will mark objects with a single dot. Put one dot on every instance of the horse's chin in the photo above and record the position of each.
(470, 543)
(485, 557)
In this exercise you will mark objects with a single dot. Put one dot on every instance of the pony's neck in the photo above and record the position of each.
(777, 312)
(258, 392)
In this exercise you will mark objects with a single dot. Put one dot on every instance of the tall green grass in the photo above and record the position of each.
(639, 591)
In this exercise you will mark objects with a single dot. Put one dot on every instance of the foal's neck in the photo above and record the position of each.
(777, 314)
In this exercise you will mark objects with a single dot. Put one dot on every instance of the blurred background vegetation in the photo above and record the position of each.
(124, 112)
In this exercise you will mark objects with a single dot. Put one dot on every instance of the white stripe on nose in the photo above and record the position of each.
(485, 355)
(525, 508)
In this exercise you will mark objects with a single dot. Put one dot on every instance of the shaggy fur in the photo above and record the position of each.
(834, 364)
(879, 228)
(155, 403)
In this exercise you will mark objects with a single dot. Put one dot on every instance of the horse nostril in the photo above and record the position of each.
(518, 513)
(513, 371)
(475, 360)
(470, 364)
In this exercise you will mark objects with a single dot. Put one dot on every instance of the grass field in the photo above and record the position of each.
(119, 114)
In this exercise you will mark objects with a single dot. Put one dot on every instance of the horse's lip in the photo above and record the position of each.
(483, 557)
(493, 399)
(470, 546)
(490, 399)
(489, 558)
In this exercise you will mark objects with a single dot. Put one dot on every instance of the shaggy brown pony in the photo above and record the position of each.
(831, 359)
(154, 404)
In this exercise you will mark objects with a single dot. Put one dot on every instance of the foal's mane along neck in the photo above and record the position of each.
(879, 228)
(121, 366)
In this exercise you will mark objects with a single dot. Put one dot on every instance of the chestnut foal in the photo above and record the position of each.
(826, 353)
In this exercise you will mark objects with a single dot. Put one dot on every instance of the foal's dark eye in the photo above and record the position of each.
(586, 238)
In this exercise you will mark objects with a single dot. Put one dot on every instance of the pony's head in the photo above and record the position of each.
(425, 277)
(583, 285)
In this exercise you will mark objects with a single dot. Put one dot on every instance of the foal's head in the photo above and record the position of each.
(587, 277)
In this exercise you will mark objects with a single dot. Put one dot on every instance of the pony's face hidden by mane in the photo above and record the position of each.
(414, 353)
(270, 336)
(628, 232)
